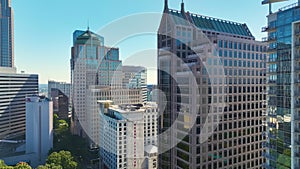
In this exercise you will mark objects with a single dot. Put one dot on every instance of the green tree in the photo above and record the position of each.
(22, 165)
(49, 166)
(63, 159)
(55, 121)
(4, 166)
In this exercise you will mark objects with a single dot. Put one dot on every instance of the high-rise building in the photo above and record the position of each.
(128, 136)
(283, 134)
(39, 128)
(119, 96)
(6, 35)
(135, 77)
(212, 76)
(60, 103)
(13, 90)
(65, 88)
(92, 64)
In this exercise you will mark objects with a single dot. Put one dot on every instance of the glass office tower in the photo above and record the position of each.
(283, 91)
(212, 76)
(6, 35)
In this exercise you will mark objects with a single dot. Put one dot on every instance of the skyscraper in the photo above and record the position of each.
(6, 35)
(135, 77)
(127, 131)
(92, 64)
(14, 88)
(283, 129)
(212, 76)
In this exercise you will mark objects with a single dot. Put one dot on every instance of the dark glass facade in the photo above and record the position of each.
(6, 36)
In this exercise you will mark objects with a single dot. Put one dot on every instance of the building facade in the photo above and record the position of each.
(135, 77)
(39, 128)
(65, 88)
(118, 96)
(92, 64)
(124, 136)
(60, 103)
(13, 90)
(283, 79)
(6, 36)
(212, 75)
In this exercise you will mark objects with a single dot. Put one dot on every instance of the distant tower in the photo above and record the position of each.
(6, 35)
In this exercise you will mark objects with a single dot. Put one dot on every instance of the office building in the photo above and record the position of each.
(283, 91)
(64, 87)
(6, 35)
(92, 64)
(124, 134)
(212, 74)
(13, 90)
(119, 96)
(39, 128)
(152, 93)
(135, 77)
(60, 103)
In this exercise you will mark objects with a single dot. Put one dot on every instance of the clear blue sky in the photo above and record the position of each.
(43, 28)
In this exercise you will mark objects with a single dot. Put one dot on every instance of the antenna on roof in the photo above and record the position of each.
(166, 8)
(182, 7)
(88, 25)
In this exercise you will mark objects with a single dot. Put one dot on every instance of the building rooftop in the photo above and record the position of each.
(151, 149)
(209, 23)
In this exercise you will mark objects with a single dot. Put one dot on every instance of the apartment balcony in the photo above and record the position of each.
(268, 28)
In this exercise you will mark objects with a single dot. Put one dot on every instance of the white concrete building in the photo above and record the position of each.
(39, 128)
(151, 157)
(123, 131)
(118, 96)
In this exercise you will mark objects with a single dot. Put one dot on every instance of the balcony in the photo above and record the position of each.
(268, 28)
